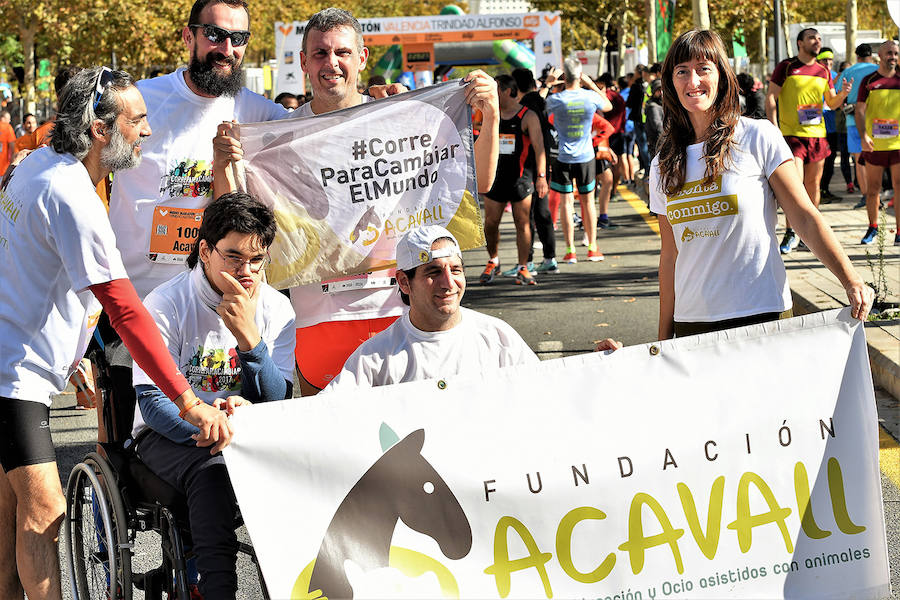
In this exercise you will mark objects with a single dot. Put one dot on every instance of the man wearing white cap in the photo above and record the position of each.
(436, 337)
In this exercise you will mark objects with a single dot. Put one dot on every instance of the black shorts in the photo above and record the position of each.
(24, 434)
(617, 143)
(562, 175)
(601, 165)
(512, 190)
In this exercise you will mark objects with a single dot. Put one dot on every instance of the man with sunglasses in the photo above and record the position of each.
(230, 333)
(155, 209)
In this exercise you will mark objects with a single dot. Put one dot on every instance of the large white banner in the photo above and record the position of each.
(742, 464)
(346, 185)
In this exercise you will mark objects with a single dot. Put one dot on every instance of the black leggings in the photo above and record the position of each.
(542, 224)
(212, 507)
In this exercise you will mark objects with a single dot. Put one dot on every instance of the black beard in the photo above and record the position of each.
(209, 81)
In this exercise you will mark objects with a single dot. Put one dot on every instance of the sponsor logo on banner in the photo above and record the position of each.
(689, 477)
(345, 186)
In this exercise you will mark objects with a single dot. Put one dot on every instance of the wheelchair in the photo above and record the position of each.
(111, 496)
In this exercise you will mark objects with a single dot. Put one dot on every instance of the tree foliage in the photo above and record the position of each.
(146, 36)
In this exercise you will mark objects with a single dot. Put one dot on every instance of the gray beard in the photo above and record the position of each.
(119, 155)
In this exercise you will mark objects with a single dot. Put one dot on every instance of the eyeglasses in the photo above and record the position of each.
(236, 263)
(217, 35)
(104, 79)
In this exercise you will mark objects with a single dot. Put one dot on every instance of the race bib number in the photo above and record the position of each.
(885, 128)
(507, 143)
(358, 282)
(809, 114)
(173, 233)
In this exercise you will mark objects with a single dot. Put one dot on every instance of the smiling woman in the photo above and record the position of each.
(716, 185)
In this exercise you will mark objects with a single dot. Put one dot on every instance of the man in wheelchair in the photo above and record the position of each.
(233, 337)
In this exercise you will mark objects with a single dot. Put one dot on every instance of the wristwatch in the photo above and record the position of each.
(541, 175)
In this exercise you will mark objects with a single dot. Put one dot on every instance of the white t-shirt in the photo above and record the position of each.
(202, 346)
(375, 297)
(404, 353)
(728, 264)
(155, 208)
(55, 242)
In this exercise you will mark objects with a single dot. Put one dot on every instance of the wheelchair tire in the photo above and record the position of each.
(95, 522)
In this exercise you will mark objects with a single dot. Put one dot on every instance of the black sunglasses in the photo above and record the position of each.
(104, 79)
(217, 35)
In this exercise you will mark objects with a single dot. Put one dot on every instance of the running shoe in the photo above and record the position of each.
(861, 203)
(871, 233)
(523, 277)
(570, 258)
(850, 188)
(789, 242)
(512, 272)
(576, 221)
(826, 197)
(489, 271)
(595, 255)
(607, 224)
(585, 241)
(548, 266)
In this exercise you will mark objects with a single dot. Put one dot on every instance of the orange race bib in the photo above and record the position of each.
(173, 233)
(507, 143)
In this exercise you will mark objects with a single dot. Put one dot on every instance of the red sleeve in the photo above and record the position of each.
(779, 75)
(141, 336)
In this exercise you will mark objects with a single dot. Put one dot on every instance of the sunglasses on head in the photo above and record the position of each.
(217, 35)
(104, 79)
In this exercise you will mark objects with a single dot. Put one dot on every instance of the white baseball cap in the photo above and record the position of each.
(414, 248)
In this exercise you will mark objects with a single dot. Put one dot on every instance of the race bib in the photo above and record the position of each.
(507, 143)
(809, 114)
(885, 128)
(173, 234)
(358, 282)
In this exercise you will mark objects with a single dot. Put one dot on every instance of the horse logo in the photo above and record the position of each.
(401, 485)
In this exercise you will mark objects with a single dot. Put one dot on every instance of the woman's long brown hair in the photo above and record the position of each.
(678, 133)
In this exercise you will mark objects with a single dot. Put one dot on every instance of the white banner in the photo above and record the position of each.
(346, 185)
(742, 464)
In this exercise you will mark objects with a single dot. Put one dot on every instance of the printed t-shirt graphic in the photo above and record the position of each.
(882, 97)
(800, 102)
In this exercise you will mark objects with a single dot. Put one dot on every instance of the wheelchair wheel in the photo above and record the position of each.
(96, 530)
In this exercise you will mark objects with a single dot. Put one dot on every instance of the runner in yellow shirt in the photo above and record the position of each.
(794, 103)
(877, 115)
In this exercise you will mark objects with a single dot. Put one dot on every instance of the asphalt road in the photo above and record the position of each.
(566, 313)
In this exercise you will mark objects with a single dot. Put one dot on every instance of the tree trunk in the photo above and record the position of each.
(852, 26)
(701, 14)
(651, 31)
(27, 31)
